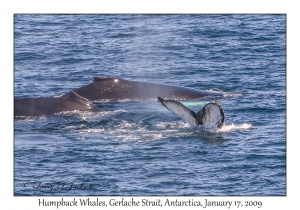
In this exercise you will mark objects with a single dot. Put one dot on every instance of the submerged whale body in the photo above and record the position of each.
(47, 106)
(211, 115)
(116, 89)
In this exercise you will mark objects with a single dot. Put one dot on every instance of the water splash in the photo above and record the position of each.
(232, 127)
(225, 128)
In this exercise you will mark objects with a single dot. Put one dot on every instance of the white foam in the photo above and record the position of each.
(225, 94)
(232, 127)
(172, 125)
(225, 128)
(91, 130)
(85, 115)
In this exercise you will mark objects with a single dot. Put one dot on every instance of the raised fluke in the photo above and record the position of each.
(181, 110)
(211, 115)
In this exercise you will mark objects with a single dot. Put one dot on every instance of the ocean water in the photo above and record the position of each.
(140, 147)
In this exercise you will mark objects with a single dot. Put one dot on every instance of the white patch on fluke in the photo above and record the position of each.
(211, 115)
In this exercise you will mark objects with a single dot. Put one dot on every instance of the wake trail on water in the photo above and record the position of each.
(225, 94)
(111, 125)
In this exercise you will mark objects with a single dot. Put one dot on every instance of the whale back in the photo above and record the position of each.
(116, 89)
(47, 106)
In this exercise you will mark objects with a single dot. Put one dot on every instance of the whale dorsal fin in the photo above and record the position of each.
(73, 94)
(181, 110)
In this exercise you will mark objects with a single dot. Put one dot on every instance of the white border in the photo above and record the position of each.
(10, 7)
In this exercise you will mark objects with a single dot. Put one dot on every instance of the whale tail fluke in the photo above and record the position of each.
(211, 115)
(181, 110)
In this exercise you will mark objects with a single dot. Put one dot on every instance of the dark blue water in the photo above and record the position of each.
(141, 148)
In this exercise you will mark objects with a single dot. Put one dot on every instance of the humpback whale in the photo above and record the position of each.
(211, 115)
(47, 106)
(116, 89)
